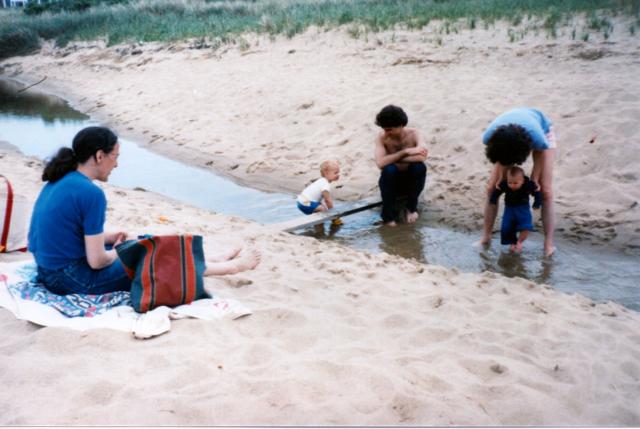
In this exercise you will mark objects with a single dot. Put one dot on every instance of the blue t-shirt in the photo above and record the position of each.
(532, 120)
(64, 213)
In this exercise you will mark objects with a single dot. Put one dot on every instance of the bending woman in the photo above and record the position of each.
(73, 252)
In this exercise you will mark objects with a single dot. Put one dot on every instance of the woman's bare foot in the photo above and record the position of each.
(248, 259)
(484, 241)
(225, 255)
(512, 248)
(519, 247)
(412, 217)
(549, 250)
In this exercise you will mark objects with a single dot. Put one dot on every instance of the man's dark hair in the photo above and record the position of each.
(391, 117)
(509, 144)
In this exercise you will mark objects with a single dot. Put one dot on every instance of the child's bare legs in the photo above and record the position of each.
(518, 246)
(225, 255)
(246, 260)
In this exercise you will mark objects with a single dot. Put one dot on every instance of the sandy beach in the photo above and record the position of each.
(338, 336)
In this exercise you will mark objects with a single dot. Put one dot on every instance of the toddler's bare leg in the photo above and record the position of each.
(523, 236)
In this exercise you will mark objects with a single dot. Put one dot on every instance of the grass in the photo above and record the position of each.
(226, 20)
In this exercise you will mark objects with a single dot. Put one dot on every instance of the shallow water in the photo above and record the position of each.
(595, 272)
(41, 133)
(38, 125)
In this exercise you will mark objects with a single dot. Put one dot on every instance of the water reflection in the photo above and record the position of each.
(403, 240)
(326, 230)
(33, 105)
(201, 188)
(600, 275)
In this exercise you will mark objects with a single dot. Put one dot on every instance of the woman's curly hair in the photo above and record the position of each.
(509, 144)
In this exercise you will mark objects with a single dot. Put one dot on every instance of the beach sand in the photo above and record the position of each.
(338, 336)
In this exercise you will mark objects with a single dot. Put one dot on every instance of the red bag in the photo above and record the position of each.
(164, 269)
(14, 219)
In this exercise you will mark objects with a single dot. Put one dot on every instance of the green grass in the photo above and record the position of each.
(226, 20)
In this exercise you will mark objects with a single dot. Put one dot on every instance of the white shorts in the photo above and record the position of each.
(551, 138)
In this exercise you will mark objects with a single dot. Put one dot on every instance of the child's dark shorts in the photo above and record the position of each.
(515, 219)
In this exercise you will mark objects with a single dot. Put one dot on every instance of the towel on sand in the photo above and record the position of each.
(28, 300)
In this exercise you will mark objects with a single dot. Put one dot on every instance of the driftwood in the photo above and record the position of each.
(31, 86)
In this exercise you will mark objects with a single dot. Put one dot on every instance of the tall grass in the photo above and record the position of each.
(171, 20)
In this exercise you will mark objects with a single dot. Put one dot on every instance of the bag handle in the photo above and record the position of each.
(4, 238)
(7, 215)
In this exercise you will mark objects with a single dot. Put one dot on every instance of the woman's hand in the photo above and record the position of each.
(116, 238)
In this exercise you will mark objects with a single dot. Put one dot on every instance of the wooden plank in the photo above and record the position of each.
(338, 211)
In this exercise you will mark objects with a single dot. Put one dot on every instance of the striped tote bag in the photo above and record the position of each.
(164, 270)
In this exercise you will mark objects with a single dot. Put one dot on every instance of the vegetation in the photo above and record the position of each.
(57, 6)
(224, 20)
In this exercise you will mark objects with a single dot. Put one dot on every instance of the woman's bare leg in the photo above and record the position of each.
(491, 210)
(246, 260)
(544, 160)
(225, 255)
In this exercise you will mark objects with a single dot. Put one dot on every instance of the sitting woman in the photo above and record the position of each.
(72, 251)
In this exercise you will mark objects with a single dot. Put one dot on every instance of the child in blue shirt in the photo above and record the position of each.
(517, 214)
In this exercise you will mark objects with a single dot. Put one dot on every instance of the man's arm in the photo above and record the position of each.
(383, 158)
(419, 152)
(415, 154)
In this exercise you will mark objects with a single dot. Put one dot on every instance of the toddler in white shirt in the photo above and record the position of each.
(317, 196)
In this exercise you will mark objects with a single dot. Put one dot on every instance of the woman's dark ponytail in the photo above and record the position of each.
(62, 163)
(86, 144)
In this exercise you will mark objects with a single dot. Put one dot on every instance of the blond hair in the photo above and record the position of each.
(328, 165)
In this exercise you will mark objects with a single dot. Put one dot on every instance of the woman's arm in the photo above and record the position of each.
(97, 256)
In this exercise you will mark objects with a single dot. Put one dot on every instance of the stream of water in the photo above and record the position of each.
(38, 124)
